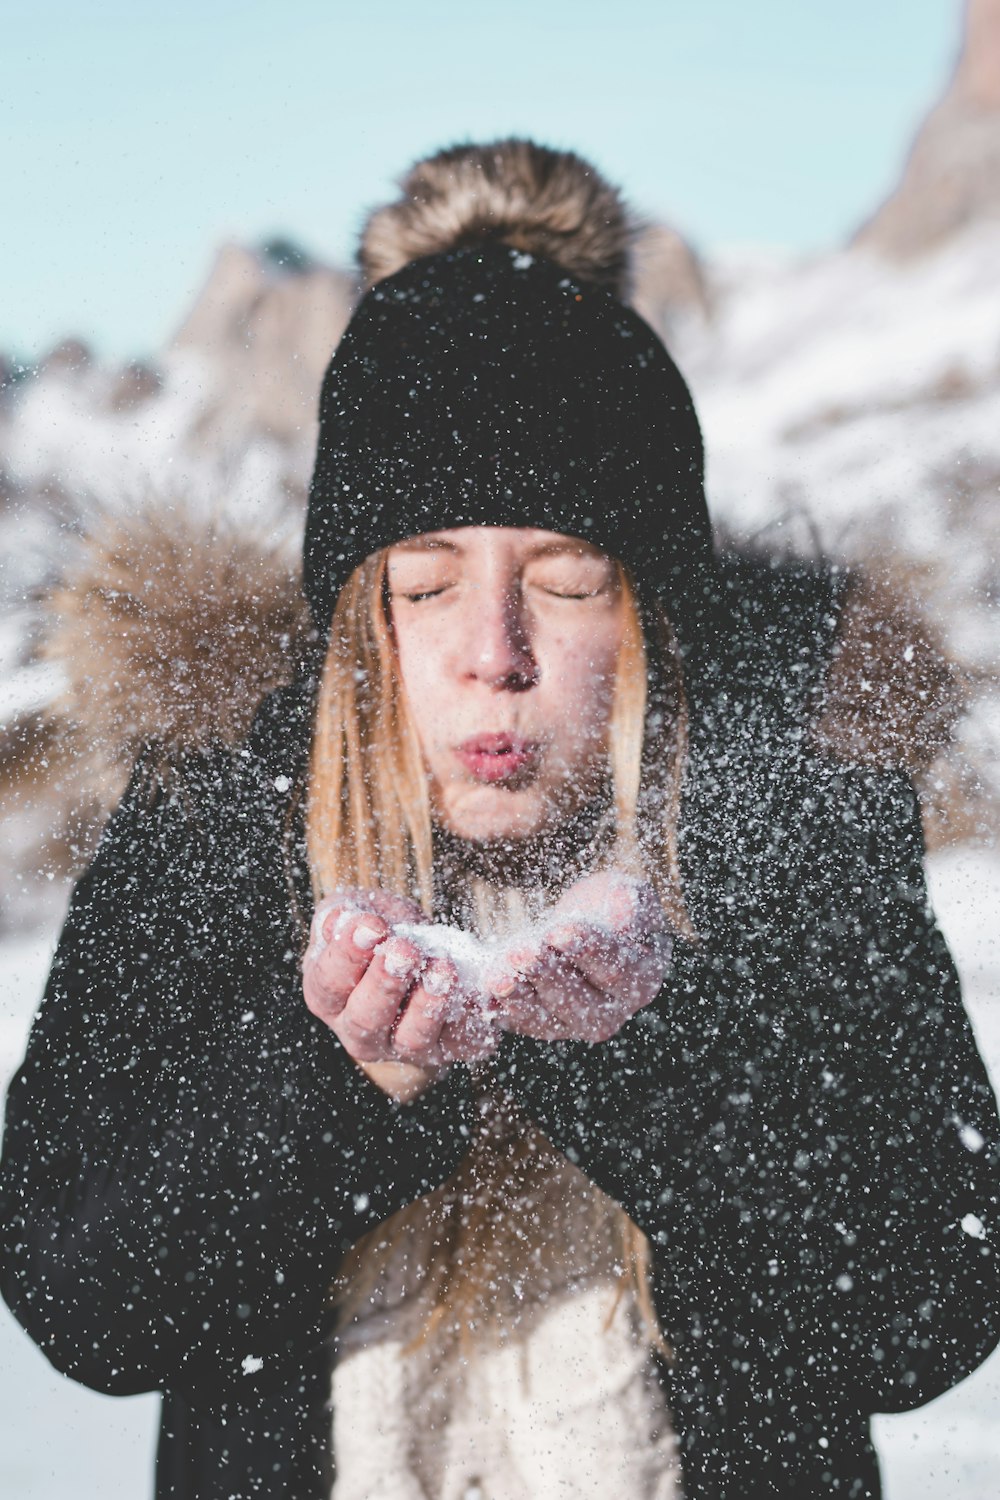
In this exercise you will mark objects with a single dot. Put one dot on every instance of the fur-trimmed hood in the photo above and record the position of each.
(168, 627)
(169, 630)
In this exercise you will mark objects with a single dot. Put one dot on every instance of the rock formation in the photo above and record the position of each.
(69, 357)
(668, 281)
(264, 326)
(952, 175)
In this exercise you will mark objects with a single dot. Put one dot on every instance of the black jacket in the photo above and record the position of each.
(189, 1153)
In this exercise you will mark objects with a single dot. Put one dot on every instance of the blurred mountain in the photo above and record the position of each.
(236, 391)
(264, 326)
(669, 281)
(952, 175)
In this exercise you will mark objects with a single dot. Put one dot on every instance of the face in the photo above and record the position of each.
(507, 642)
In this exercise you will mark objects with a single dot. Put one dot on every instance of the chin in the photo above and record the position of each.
(493, 819)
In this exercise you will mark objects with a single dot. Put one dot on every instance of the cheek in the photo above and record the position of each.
(582, 678)
(421, 665)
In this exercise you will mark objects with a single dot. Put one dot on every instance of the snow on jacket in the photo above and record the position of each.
(800, 1123)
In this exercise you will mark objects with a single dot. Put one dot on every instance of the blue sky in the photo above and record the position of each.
(136, 136)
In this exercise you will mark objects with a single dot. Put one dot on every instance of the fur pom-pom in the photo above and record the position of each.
(548, 203)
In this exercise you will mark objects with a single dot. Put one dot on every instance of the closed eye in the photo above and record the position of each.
(564, 594)
(424, 594)
(557, 593)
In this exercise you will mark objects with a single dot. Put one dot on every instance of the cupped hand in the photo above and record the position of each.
(383, 998)
(600, 958)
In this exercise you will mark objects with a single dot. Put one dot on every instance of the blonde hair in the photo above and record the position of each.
(477, 1224)
(368, 825)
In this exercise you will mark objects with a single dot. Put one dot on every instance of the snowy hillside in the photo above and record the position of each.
(863, 397)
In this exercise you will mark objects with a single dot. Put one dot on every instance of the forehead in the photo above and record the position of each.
(509, 541)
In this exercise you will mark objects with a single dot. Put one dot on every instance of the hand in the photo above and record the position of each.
(383, 998)
(600, 958)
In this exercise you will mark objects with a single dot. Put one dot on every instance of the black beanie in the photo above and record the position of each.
(487, 385)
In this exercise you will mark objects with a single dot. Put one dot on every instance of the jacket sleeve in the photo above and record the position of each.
(188, 1153)
(802, 1122)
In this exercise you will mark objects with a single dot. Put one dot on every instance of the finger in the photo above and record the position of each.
(365, 1023)
(609, 897)
(471, 1037)
(626, 968)
(517, 966)
(575, 1007)
(416, 1036)
(524, 1013)
(321, 926)
(510, 994)
(339, 904)
(396, 908)
(328, 972)
(335, 972)
(330, 919)
(515, 1005)
(360, 937)
(565, 1005)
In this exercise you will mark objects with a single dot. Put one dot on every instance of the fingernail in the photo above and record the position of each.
(398, 963)
(366, 936)
(343, 921)
(438, 981)
(564, 939)
(503, 985)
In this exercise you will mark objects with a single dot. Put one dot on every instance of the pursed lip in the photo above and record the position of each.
(497, 757)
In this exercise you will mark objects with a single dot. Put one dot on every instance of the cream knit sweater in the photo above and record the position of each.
(562, 1402)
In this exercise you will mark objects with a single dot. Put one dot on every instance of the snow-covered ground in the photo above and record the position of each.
(57, 1439)
(950, 1450)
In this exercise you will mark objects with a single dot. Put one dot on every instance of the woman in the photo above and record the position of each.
(532, 669)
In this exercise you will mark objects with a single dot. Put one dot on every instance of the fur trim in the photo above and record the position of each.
(549, 203)
(170, 630)
(892, 696)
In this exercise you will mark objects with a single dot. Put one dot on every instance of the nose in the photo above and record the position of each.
(498, 648)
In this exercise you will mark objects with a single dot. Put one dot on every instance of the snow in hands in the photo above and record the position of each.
(580, 970)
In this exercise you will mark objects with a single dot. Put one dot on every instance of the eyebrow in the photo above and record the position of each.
(579, 548)
(424, 544)
(574, 545)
